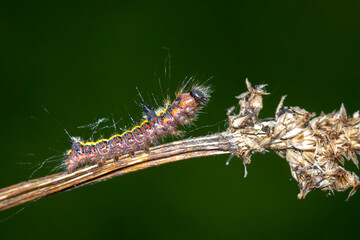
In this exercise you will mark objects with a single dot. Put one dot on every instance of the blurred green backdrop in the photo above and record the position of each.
(64, 65)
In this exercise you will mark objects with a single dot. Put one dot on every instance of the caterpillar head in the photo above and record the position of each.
(199, 96)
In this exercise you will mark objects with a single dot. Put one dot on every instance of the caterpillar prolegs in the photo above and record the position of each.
(155, 127)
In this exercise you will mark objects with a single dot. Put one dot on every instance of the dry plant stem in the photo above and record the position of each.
(175, 151)
(314, 147)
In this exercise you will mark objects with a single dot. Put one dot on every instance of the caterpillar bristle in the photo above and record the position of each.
(157, 125)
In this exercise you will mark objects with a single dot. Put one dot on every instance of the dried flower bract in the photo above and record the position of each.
(314, 147)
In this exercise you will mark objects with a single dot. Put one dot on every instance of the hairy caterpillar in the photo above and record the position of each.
(156, 126)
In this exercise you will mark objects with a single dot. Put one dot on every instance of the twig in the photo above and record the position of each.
(171, 152)
(314, 147)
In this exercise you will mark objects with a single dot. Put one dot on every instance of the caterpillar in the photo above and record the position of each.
(155, 127)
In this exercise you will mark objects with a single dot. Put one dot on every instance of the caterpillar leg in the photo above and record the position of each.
(147, 149)
(101, 162)
(131, 154)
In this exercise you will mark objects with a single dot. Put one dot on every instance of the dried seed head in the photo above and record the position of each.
(315, 147)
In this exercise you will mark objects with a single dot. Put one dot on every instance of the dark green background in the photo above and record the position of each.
(83, 61)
